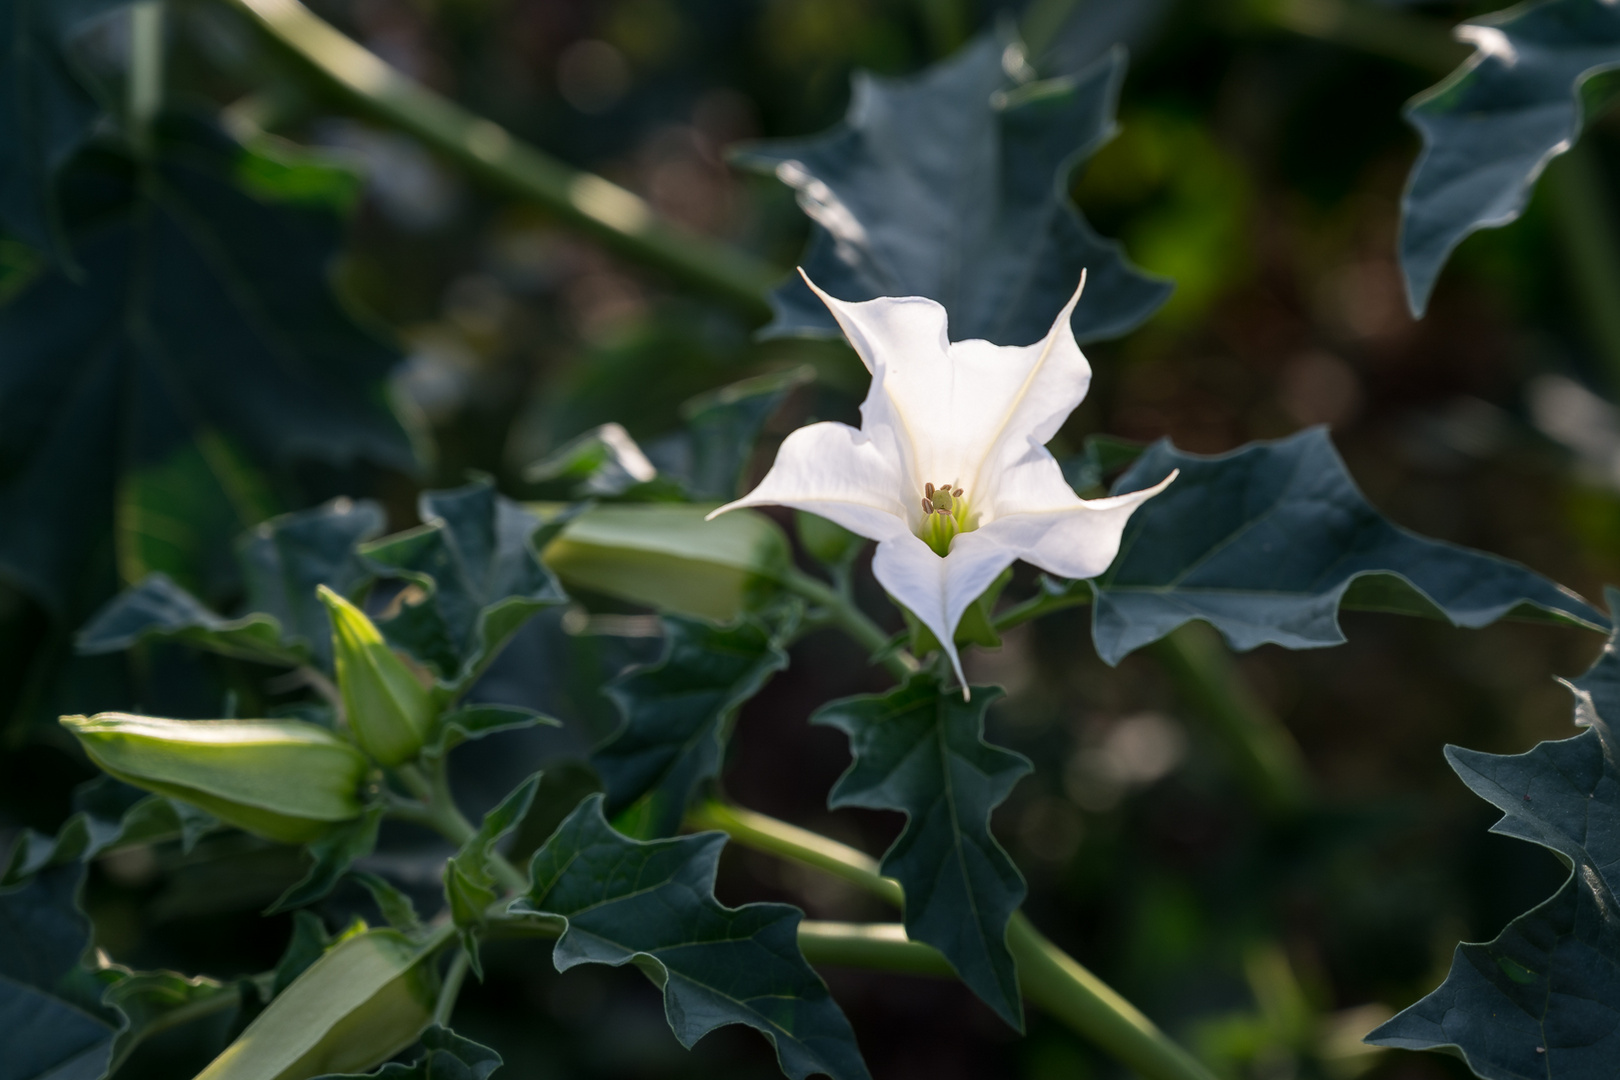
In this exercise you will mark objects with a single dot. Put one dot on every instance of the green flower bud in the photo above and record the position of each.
(826, 541)
(666, 556)
(282, 779)
(388, 707)
(367, 999)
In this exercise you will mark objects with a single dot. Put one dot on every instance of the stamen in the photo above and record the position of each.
(928, 490)
(928, 506)
(957, 492)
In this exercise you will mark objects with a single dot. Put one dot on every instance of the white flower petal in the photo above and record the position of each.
(1076, 542)
(889, 328)
(835, 471)
(938, 590)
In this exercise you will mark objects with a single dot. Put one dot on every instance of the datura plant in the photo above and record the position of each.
(175, 295)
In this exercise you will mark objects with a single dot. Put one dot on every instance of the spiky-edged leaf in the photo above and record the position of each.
(952, 184)
(469, 883)
(1493, 125)
(198, 310)
(107, 814)
(677, 713)
(625, 901)
(158, 609)
(1267, 542)
(920, 749)
(1540, 1000)
(476, 721)
(479, 573)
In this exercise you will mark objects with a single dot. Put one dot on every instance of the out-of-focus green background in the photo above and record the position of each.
(1259, 163)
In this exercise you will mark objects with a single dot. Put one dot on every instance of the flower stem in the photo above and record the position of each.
(1048, 976)
(843, 613)
(618, 218)
(454, 976)
(1042, 603)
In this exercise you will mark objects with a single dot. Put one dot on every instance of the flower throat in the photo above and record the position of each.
(945, 514)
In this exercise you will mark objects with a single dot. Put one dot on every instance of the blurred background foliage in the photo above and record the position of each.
(1259, 164)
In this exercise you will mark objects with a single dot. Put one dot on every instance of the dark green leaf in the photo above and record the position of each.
(285, 558)
(158, 609)
(479, 574)
(107, 814)
(1102, 457)
(199, 310)
(308, 941)
(55, 1027)
(952, 184)
(330, 858)
(678, 712)
(447, 1056)
(652, 904)
(476, 721)
(1540, 1000)
(1491, 127)
(150, 1000)
(469, 883)
(920, 749)
(711, 456)
(397, 909)
(1267, 542)
(46, 114)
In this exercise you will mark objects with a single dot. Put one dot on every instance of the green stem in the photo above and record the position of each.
(145, 69)
(437, 810)
(454, 976)
(1267, 758)
(618, 218)
(775, 837)
(844, 614)
(882, 946)
(1048, 976)
(1042, 603)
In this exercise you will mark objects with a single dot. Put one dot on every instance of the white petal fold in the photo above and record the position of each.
(967, 414)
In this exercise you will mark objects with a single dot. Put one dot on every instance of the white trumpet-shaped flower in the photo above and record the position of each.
(949, 471)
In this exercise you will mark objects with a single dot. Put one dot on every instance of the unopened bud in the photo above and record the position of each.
(388, 708)
(665, 555)
(370, 996)
(282, 779)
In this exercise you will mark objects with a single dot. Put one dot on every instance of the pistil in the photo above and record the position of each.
(945, 515)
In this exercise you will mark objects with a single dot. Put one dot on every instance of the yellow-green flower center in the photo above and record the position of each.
(945, 513)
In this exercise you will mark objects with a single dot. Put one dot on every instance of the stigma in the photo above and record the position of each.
(944, 515)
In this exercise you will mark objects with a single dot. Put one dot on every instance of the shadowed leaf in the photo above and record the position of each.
(920, 749)
(1268, 542)
(952, 184)
(652, 904)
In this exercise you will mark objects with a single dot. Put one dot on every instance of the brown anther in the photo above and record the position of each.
(957, 493)
(928, 490)
(928, 506)
(943, 512)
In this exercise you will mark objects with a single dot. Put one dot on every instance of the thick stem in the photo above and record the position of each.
(843, 613)
(618, 218)
(775, 837)
(881, 946)
(145, 69)
(1042, 603)
(1048, 976)
(1267, 758)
